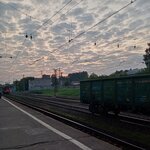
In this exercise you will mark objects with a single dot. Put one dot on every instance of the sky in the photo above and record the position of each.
(37, 36)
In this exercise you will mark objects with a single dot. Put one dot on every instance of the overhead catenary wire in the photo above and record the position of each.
(120, 63)
(6, 46)
(134, 46)
(59, 49)
(36, 61)
(53, 16)
(52, 22)
(44, 23)
(67, 12)
(123, 63)
(11, 32)
(17, 56)
(87, 60)
(40, 20)
(101, 21)
(63, 45)
(21, 12)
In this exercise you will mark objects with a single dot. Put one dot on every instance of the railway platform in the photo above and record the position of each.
(26, 129)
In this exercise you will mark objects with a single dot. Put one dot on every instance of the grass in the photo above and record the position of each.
(64, 92)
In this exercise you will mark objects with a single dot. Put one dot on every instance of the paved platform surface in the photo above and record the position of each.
(26, 129)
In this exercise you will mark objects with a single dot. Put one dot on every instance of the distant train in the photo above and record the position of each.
(6, 90)
(117, 94)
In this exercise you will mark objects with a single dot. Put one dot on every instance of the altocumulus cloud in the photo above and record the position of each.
(96, 50)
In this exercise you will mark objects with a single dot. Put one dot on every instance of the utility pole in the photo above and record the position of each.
(23, 83)
(148, 61)
(41, 73)
(55, 82)
(61, 78)
(59, 72)
(57, 79)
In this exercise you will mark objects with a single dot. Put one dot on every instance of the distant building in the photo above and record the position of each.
(133, 71)
(40, 83)
(75, 83)
(44, 76)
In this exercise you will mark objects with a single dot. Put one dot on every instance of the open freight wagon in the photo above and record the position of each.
(117, 94)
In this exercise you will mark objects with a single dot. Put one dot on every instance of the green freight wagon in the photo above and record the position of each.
(117, 94)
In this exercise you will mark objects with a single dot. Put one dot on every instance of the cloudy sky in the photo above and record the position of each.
(73, 35)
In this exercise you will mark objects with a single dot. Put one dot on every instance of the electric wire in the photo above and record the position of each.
(77, 60)
(57, 20)
(51, 16)
(80, 33)
(17, 55)
(67, 12)
(36, 61)
(38, 19)
(86, 60)
(107, 45)
(103, 20)
(21, 12)
(44, 23)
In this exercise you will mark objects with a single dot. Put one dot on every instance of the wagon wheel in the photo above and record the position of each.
(91, 108)
(116, 110)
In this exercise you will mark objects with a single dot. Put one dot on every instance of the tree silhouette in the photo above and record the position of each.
(93, 76)
(147, 56)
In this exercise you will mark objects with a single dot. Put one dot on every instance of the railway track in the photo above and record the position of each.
(75, 105)
(61, 99)
(123, 116)
(88, 129)
(57, 102)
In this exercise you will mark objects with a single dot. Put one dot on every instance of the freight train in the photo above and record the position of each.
(131, 93)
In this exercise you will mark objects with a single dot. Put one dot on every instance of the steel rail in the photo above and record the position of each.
(84, 109)
(85, 128)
